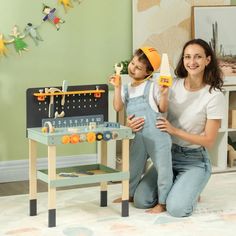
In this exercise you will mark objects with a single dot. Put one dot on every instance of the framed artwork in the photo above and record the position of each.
(216, 25)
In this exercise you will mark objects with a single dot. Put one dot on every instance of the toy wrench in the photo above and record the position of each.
(64, 89)
(118, 69)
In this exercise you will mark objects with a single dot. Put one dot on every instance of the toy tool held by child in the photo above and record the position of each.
(165, 78)
(118, 69)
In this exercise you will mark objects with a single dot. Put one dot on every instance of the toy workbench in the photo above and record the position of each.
(73, 115)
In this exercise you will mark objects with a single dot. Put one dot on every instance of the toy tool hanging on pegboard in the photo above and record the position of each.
(68, 102)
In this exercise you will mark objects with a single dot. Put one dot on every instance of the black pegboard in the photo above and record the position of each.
(75, 105)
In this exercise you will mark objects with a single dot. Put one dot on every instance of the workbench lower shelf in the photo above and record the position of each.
(85, 174)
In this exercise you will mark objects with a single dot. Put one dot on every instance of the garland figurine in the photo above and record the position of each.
(51, 16)
(20, 45)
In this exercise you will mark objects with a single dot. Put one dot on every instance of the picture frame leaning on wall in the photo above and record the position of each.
(215, 25)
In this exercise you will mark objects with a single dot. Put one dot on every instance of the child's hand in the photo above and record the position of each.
(115, 80)
(164, 90)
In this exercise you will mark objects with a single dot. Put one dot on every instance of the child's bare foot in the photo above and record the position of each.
(119, 200)
(157, 209)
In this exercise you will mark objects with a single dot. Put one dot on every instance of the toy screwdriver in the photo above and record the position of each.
(165, 78)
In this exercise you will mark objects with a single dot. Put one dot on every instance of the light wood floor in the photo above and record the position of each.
(22, 187)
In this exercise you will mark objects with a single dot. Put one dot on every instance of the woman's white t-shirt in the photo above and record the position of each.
(189, 111)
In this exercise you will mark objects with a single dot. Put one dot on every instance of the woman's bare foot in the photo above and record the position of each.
(119, 200)
(157, 209)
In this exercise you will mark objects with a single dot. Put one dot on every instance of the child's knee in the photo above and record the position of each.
(178, 209)
(142, 202)
(139, 202)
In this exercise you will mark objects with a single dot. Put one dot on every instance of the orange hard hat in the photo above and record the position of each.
(153, 57)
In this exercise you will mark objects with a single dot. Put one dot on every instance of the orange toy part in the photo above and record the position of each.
(45, 129)
(41, 98)
(91, 137)
(74, 138)
(65, 139)
(97, 95)
(70, 92)
(117, 81)
(153, 56)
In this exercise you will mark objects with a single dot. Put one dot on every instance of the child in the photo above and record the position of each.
(143, 97)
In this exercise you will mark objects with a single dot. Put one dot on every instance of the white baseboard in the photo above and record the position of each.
(18, 170)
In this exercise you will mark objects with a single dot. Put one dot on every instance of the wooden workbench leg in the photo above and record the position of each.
(125, 183)
(103, 195)
(32, 178)
(51, 190)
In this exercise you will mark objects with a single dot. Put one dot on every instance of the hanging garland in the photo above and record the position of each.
(32, 30)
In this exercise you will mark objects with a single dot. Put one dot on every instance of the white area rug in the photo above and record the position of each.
(79, 214)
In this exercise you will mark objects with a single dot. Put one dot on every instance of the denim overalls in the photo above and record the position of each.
(149, 142)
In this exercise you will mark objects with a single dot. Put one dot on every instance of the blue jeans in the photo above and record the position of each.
(192, 170)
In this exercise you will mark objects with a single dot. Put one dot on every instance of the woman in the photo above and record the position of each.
(196, 108)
